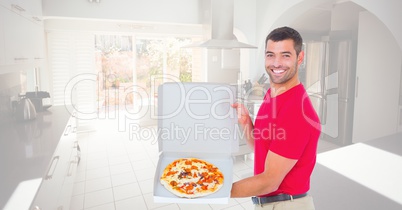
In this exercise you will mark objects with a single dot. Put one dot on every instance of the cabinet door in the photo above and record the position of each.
(33, 7)
(11, 27)
(68, 184)
(2, 38)
(36, 41)
(69, 138)
(6, 3)
(377, 81)
(57, 185)
(53, 180)
(20, 35)
(15, 31)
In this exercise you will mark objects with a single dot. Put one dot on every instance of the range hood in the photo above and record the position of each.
(219, 27)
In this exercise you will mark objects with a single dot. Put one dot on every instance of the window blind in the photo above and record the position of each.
(72, 67)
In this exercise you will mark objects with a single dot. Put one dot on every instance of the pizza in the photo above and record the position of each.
(191, 178)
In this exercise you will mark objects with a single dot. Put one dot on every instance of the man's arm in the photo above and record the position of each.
(276, 168)
(245, 122)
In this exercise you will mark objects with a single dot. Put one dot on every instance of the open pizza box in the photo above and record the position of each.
(196, 120)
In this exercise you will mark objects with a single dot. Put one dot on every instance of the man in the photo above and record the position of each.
(286, 131)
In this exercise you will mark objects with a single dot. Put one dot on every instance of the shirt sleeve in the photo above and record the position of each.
(290, 132)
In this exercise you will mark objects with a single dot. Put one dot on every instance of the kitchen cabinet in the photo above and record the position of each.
(36, 42)
(2, 39)
(33, 9)
(400, 104)
(6, 3)
(16, 29)
(22, 32)
(57, 184)
(377, 81)
(32, 152)
(30, 9)
(400, 119)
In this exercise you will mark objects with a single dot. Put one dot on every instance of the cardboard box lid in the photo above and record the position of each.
(197, 117)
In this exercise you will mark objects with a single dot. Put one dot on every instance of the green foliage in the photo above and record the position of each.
(185, 76)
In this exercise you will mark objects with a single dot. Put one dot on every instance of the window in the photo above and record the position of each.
(124, 70)
(95, 71)
(71, 61)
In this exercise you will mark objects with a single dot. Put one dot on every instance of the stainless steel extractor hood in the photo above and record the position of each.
(219, 26)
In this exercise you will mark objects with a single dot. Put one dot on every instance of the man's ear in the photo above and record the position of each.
(300, 58)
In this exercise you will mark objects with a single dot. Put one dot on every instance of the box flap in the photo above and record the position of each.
(197, 117)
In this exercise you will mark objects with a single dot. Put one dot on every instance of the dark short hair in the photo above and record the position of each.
(283, 33)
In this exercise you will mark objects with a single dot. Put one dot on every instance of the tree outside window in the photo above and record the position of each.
(120, 67)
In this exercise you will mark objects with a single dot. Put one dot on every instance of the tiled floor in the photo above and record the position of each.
(116, 173)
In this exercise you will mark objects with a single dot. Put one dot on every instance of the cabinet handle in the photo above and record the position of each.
(71, 168)
(75, 145)
(357, 86)
(20, 59)
(36, 18)
(67, 131)
(53, 163)
(17, 7)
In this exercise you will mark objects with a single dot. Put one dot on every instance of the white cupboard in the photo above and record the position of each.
(58, 182)
(30, 9)
(21, 32)
(15, 44)
(377, 81)
(2, 39)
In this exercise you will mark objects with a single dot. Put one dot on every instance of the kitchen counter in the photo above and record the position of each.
(26, 151)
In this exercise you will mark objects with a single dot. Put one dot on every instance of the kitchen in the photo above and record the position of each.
(375, 122)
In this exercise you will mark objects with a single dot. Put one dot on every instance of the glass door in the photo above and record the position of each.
(131, 68)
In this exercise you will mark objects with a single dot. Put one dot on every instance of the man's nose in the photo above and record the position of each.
(277, 61)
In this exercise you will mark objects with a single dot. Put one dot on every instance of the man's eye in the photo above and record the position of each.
(269, 55)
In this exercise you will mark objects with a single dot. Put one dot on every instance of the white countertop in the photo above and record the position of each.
(25, 152)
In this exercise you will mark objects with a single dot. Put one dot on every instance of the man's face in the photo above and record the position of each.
(281, 61)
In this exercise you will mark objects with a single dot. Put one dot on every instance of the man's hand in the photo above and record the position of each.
(242, 113)
(245, 122)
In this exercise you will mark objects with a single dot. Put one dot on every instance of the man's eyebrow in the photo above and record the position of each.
(284, 52)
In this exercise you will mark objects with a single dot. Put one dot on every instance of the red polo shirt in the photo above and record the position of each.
(288, 126)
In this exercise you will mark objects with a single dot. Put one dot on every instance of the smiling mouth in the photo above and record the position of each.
(277, 71)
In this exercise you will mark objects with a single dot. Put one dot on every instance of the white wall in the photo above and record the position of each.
(245, 23)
